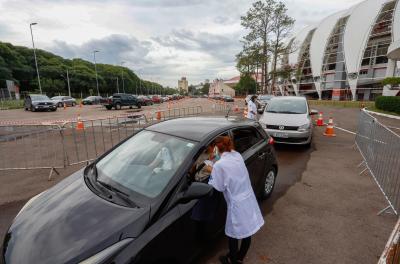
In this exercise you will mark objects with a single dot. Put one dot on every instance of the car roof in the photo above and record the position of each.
(197, 128)
(288, 97)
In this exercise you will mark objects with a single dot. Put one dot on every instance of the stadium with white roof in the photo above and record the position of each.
(346, 55)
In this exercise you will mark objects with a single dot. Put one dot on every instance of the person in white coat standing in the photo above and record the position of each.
(252, 108)
(230, 176)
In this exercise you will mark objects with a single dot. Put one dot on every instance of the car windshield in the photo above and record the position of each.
(264, 97)
(145, 163)
(39, 97)
(287, 106)
(56, 97)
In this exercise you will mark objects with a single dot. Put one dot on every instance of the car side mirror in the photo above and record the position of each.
(195, 191)
(313, 112)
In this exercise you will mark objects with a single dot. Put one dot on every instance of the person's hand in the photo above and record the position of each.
(208, 169)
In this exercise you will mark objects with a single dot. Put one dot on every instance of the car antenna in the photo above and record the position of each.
(227, 113)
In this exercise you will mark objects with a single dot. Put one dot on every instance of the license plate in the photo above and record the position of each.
(281, 135)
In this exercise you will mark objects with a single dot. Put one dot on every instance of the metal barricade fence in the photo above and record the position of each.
(380, 148)
(56, 146)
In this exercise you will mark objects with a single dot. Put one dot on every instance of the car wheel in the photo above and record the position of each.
(59, 105)
(32, 109)
(139, 106)
(118, 106)
(73, 104)
(108, 107)
(268, 183)
(55, 109)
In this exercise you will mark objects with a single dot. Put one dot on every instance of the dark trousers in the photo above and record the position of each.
(235, 253)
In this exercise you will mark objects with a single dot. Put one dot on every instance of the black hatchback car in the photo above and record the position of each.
(126, 208)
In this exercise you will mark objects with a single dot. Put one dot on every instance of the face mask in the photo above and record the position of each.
(216, 153)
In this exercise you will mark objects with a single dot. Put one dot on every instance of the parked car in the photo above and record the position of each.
(227, 98)
(156, 99)
(92, 100)
(39, 102)
(262, 101)
(119, 100)
(287, 119)
(61, 100)
(121, 209)
(145, 99)
(165, 98)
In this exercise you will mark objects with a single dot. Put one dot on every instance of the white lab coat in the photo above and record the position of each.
(251, 107)
(230, 176)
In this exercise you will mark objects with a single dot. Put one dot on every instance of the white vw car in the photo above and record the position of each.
(288, 120)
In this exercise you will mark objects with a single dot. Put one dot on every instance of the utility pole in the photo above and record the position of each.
(122, 73)
(34, 53)
(69, 87)
(117, 85)
(95, 69)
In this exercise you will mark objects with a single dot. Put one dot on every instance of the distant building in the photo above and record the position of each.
(347, 54)
(218, 87)
(183, 85)
(235, 80)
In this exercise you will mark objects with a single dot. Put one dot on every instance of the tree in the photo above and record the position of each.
(205, 89)
(282, 25)
(268, 24)
(246, 85)
(258, 21)
(18, 64)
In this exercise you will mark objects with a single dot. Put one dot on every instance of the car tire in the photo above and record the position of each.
(53, 110)
(73, 104)
(32, 109)
(108, 107)
(59, 105)
(268, 183)
(139, 106)
(118, 106)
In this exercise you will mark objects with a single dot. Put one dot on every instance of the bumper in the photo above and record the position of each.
(290, 137)
(45, 107)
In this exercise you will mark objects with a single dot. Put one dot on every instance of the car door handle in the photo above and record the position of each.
(261, 155)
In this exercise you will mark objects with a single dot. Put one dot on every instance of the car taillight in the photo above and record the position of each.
(271, 141)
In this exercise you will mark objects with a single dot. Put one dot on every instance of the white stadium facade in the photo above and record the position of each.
(346, 55)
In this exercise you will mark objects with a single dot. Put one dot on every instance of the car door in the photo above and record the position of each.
(249, 142)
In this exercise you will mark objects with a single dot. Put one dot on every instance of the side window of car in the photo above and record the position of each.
(245, 138)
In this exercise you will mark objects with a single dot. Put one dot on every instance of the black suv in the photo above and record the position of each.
(120, 99)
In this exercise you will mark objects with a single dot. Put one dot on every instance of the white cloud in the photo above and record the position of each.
(166, 39)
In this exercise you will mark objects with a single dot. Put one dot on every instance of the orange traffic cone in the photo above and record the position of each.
(65, 106)
(320, 120)
(79, 124)
(329, 131)
(236, 108)
(80, 104)
(158, 115)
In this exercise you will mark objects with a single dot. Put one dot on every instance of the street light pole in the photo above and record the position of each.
(69, 87)
(117, 85)
(95, 69)
(34, 53)
(122, 73)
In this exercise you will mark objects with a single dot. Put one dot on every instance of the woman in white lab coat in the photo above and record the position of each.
(229, 175)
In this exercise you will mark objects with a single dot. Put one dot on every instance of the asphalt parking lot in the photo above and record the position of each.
(321, 211)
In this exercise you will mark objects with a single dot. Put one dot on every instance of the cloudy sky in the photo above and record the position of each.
(162, 40)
